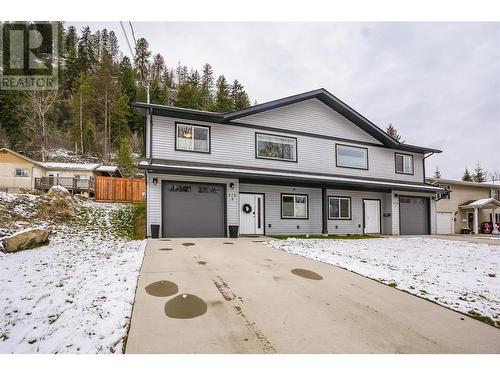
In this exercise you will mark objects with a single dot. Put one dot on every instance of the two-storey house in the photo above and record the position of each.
(303, 164)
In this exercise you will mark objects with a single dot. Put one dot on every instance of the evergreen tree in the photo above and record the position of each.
(239, 96)
(207, 85)
(141, 58)
(223, 100)
(71, 70)
(479, 174)
(437, 173)
(86, 57)
(120, 117)
(125, 161)
(393, 133)
(467, 176)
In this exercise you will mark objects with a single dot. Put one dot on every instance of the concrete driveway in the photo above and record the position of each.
(255, 304)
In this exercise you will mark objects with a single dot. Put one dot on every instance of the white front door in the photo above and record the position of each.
(444, 222)
(251, 213)
(371, 209)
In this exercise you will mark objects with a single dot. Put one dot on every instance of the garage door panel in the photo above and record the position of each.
(444, 222)
(414, 215)
(193, 210)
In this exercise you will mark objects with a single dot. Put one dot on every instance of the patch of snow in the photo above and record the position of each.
(460, 275)
(77, 166)
(74, 295)
(59, 188)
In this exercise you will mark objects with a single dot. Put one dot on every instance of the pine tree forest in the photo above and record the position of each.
(91, 114)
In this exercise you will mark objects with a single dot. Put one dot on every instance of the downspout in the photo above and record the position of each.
(423, 162)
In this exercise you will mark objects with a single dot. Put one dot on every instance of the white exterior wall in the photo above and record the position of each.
(272, 209)
(235, 145)
(312, 116)
(355, 225)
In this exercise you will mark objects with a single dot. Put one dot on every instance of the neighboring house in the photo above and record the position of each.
(303, 164)
(18, 171)
(456, 210)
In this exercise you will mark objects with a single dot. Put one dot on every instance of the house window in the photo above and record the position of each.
(404, 164)
(339, 208)
(276, 147)
(294, 206)
(192, 138)
(497, 218)
(20, 172)
(351, 156)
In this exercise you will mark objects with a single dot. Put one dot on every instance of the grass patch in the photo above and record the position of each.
(393, 285)
(481, 318)
(139, 221)
(328, 237)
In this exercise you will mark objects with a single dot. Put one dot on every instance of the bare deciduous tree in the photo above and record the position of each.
(35, 109)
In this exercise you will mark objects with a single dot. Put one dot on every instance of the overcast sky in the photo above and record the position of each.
(437, 83)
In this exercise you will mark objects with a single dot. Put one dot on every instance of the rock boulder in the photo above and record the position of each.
(25, 239)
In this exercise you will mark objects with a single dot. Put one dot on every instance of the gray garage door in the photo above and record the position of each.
(193, 210)
(414, 215)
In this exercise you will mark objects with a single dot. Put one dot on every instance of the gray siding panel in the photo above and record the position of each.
(355, 225)
(235, 145)
(311, 116)
(272, 209)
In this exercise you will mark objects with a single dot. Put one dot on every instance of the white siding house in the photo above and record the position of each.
(305, 164)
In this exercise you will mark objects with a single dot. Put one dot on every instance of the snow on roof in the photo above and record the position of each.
(107, 168)
(480, 203)
(75, 166)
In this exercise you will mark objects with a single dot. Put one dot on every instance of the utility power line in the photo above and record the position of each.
(128, 42)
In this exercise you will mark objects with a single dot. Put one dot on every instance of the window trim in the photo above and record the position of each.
(21, 175)
(294, 195)
(340, 197)
(343, 166)
(412, 163)
(177, 123)
(277, 159)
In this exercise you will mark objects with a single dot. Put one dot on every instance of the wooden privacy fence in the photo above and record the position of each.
(114, 189)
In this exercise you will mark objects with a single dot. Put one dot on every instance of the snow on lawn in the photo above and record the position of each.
(460, 275)
(74, 295)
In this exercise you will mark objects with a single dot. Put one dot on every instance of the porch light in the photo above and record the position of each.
(231, 185)
(155, 181)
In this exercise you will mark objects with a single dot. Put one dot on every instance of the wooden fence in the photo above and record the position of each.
(114, 189)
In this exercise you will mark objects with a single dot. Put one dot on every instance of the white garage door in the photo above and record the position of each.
(444, 223)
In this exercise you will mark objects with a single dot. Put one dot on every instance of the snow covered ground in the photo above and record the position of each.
(74, 295)
(460, 275)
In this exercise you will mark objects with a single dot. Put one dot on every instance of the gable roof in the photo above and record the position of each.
(481, 203)
(71, 166)
(22, 156)
(321, 94)
(486, 185)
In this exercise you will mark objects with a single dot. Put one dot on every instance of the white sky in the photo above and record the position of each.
(437, 83)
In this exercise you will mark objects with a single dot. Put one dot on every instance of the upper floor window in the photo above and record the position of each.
(339, 208)
(276, 147)
(192, 138)
(20, 172)
(351, 156)
(294, 206)
(404, 163)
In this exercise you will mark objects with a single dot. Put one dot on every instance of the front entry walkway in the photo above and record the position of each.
(239, 296)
